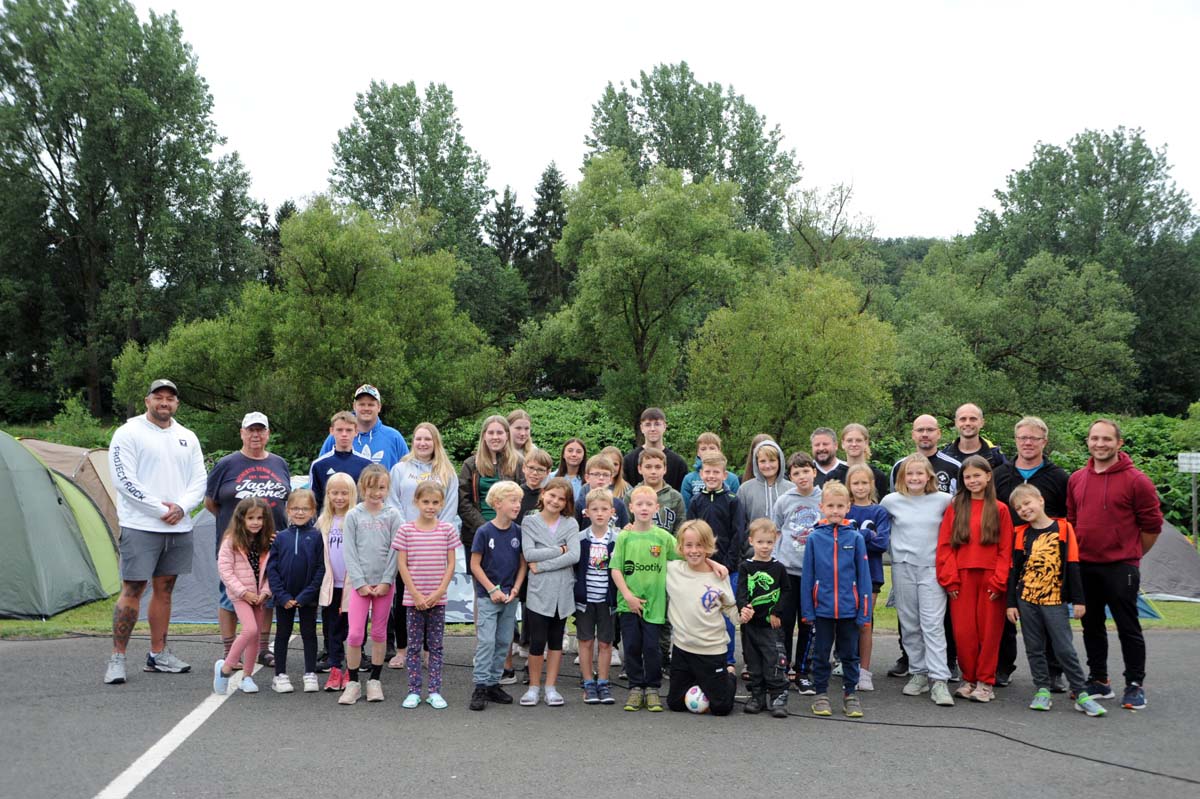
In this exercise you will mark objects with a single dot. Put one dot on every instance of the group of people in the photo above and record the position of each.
(662, 561)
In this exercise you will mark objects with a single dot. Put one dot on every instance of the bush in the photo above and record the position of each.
(75, 426)
(553, 422)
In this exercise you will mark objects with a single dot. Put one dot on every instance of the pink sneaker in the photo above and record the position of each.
(334, 681)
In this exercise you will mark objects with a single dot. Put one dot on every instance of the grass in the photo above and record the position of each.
(96, 619)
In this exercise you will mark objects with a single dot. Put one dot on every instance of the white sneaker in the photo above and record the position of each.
(576, 660)
(616, 657)
(917, 685)
(523, 651)
(281, 684)
(248, 685)
(311, 684)
(530, 697)
(350, 693)
(866, 680)
(374, 691)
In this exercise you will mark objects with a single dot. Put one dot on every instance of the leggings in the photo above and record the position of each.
(789, 615)
(284, 618)
(252, 618)
(545, 632)
(379, 607)
(333, 626)
(424, 626)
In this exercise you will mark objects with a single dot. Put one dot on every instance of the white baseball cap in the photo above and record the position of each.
(253, 418)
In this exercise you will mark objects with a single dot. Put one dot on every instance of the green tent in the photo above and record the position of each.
(58, 550)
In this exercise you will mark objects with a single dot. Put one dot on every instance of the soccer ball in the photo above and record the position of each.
(695, 700)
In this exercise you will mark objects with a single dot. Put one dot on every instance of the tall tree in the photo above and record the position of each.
(668, 118)
(549, 280)
(506, 228)
(407, 148)
(110, 119)
(1108, 198)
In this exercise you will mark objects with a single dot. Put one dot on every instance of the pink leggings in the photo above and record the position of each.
(252, 618)
(380, 607)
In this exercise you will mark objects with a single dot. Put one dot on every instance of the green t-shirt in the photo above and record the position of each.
(642, 559)
(485, 485)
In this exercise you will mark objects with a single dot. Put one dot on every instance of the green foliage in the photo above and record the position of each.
(668, 118)
(755, 370)
(506, 228)
(1187, 433)
(548, 278)
(653, 261)
(297, 352)
(75, 426)
(552, 421)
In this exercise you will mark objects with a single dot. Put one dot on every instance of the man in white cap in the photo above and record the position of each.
(374, 439)
(158, 473)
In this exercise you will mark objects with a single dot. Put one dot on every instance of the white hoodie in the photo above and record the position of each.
(151, 465)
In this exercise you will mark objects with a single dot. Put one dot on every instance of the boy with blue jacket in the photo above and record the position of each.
(835, 597)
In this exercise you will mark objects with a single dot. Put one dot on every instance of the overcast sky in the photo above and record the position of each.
(924, 106)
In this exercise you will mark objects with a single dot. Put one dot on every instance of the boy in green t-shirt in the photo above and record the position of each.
(639, 570)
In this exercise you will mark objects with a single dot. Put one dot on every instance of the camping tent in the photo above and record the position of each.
(1172, 569)
(194, 600)
(87, 468)
(58, 550)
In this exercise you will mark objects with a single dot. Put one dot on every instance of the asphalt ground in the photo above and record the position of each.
(65, 734)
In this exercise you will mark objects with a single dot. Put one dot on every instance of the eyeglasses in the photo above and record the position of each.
(529, 467)
(1030, 439)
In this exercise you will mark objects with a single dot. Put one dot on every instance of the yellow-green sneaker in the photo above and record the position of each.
(636, 700)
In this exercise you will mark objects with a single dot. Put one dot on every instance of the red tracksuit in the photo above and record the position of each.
(973, 569)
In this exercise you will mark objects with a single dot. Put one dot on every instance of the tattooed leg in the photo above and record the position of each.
(125, 613)
(159, 612)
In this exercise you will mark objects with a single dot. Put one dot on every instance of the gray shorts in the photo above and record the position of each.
(597, 621)
(147, 554)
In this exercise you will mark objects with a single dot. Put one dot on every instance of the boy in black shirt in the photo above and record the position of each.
(762, 585)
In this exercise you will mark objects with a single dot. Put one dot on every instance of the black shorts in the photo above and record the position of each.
(596, 622)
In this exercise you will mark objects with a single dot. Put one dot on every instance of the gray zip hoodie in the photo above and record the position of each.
(756, 499)
(367, 545)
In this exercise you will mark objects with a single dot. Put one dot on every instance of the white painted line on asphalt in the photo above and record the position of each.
(144, 766)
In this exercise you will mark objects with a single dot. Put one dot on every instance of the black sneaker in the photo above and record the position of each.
(779, 706)
(1058, 683)
(956, 674)
(494, 693)
(508, 677)
(1098, 689)
(804, 685)
(323, 665)
(753, 705)
(900, 669)
(1004, 679)
(479, 698)
(525, 676)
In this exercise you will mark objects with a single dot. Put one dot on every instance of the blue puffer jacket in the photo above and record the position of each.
(297, 565)
(836, 581)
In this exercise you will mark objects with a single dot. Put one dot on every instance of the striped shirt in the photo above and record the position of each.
(426, 555)
(596, 553)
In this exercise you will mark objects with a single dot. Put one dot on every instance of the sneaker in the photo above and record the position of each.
(523, 652)
(622, 675)
(310, 683)
(917, 685)
(530, 697)
(616, 657)
(1058, 683)
(866, 680)
(900, 669)
(851, 707)
(955, 673)
(1088, 704)
(1004, 678)
(525, 676)
(1099, 690)
(983, 693)
(374, 691)
(334, 681)
(754, 705)
(553, 697)
(821, 706)
(494, 693)
(280, 684)
(508, 677)
(605, 692)
(115, 673)
(1042, 700)
(220, 680)
(653, 703)
(1134, 698)
(437, 701)
(591, 692)
(248, 685)
(804, 686)
(395, 662)
(965, 690)
(351, 693)
(836, 671)
(636, 699)
(779, 706)
(165, 662)
(939, 692)
(411, 701)
(323, 666)
(478, 698)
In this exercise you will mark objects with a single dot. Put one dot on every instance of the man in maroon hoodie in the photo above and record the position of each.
(1117, 518)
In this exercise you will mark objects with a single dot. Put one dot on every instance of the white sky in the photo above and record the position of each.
(924, 106)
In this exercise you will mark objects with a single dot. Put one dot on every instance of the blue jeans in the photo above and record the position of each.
(494, 625)
(642, 658)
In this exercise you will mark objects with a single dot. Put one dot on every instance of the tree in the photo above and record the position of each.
(111, 122)
(668, 118)
(549, 279)
(324, 328)
(403, 148)
(754, 368)
(506, 229)
(1108, 198)
(676, 252)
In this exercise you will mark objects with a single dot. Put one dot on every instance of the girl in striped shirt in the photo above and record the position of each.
(425, 558)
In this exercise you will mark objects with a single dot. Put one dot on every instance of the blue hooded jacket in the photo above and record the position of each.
(297, 565)
(836, 581)
(875, 525)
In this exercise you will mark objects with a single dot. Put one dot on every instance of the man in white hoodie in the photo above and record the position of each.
(158, 473)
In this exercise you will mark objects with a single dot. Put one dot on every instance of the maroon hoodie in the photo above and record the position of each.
(1110, 510)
